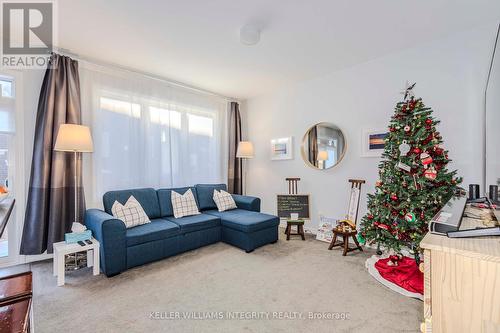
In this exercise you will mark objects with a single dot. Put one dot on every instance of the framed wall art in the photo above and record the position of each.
(282, 149)
(373, 142)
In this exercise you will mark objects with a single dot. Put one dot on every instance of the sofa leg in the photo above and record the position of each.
(276, 241)
(249, 251)
(114, 274)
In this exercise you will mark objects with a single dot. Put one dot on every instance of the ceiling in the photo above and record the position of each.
(197, 42)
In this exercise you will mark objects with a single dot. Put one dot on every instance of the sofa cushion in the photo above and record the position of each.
(132, 213)
(147, 197)
(184, 204)
(245, 220)
(165, 199)
(205, 194)
(156, 230)
(195, 222)
(224, 200)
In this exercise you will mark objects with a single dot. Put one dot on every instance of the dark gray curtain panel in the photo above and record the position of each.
(50, 206)
(313, 145)
(235, 180)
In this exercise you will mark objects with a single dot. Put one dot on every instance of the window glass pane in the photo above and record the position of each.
(122, 107)
(5, 140)
(6, 88)
(4, 159)
(116, 142)
(201, 125)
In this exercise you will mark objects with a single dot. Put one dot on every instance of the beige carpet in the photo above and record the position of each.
(288, 279)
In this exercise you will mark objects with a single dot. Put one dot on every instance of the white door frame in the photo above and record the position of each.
(15, 226)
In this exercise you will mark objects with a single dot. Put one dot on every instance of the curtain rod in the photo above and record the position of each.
(94, 61)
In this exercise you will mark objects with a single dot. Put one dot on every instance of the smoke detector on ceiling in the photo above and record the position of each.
(249, 34)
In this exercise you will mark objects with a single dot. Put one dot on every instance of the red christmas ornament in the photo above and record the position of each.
(428, 121)
(391, 129)
(383, 226)
(394, 197)
(426, 159)
(438, 150)
(370, 216)
(430, 173)
(417, 150)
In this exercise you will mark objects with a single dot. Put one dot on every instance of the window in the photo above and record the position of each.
(7, 86)
(149, 134)
(7, 131)
(141, 144)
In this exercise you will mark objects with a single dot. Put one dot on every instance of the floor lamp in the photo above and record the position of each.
(76, 139)
(322, 158)
(244, 152)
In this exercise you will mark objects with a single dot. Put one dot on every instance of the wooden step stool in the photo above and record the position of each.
(345, 243)
(300, 229)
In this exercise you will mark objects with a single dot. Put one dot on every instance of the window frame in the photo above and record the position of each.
(16, 171)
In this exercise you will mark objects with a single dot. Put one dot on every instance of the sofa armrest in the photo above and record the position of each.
(110, 232)
(247, 202)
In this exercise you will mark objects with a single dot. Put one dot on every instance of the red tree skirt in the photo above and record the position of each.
(405, 278)
(406, 274)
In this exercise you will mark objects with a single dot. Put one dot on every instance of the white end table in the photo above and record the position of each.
(61, 249)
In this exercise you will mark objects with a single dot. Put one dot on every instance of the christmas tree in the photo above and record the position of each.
(414, 181)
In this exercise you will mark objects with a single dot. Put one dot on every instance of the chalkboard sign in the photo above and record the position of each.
(293, 203)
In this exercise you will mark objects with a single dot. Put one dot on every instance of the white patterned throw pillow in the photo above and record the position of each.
(132, 213)
(224, 200)
(184, 204)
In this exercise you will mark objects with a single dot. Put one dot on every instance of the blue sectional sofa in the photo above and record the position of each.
(121, 248)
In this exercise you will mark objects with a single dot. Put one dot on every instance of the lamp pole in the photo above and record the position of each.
(244, 165)
(76, 185)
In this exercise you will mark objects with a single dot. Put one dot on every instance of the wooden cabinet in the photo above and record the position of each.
(15, 303)
(461, 283)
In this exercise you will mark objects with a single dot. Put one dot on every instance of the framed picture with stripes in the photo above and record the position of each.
(373, 142)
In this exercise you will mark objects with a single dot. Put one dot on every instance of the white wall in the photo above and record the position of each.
(450, 76)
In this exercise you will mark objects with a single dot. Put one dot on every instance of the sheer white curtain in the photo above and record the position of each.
(148, 133)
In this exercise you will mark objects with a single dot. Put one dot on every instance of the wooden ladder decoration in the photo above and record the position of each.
(357, 184)
(293, 189)
(351, 231)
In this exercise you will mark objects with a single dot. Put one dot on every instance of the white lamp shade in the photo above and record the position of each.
(322, 155)
(245, 149)
(74, 138)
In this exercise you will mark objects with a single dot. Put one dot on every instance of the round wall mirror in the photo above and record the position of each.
(323, 146)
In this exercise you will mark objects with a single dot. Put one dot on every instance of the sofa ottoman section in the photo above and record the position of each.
(247, 230)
